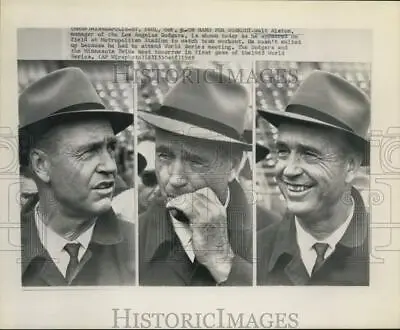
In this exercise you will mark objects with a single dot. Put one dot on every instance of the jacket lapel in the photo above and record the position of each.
(51, 275)
(296, 271)
(35, 255)
(286, 253)
(352, 250)
(179, 263)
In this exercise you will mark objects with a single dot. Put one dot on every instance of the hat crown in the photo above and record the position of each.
(209, 95)
(331, 98)
(58, 90)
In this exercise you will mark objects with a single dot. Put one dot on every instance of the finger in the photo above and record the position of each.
(209, 212)
(210, 200)
(183, 203)
(209, 194)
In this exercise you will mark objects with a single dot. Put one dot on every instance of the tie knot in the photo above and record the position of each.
(72, 249)
(320, 248)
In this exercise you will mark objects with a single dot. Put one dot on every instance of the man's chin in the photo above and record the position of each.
(299, 209)
(101, 206)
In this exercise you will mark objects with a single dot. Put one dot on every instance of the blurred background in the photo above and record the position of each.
(154, 80)
(280, 81)
(116, 93)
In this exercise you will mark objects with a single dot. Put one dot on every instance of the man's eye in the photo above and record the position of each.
(282, 152)
(311, 156)
(196, 162)
(111, 147)
(88, 152)
(164, 156)
(111, 151)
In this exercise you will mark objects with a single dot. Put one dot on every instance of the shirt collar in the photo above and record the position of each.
(355, 234)
(306, 240)
(106, 231)
(228, 199)
(53, 241)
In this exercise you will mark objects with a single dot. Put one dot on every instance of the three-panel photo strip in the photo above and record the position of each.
(189, 173)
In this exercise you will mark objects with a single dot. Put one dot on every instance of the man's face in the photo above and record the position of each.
(311, 169)
(82, 166)
(184, 165)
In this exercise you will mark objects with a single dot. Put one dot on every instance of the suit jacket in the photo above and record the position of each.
(109, 259)
(163, 261)
(266, 217)
(280, 263)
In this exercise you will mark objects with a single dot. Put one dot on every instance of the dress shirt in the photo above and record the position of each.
(54, 243)
(306, 241)
(184, 232)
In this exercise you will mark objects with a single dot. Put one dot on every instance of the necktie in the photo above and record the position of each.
(73, 250)
(320, 248)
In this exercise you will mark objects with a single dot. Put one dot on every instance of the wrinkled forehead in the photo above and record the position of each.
(78, 132)
(307, 134)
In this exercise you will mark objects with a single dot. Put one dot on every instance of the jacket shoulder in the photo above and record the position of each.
(266, 239)
(266, 218)
(154, 212)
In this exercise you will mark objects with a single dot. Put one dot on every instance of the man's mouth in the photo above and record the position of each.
(104, 185)
(179, 198)
(171, 197)
(296, 188)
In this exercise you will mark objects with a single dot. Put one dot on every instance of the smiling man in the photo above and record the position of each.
(321, 144)
(199, 232)
(67, 139)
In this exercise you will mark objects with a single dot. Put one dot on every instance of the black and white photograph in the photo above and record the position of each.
(195, 133)
(314, 118)
(76, 157)
(196, 165)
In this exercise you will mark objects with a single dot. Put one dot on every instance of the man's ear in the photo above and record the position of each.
(352, 167)
(40, 164)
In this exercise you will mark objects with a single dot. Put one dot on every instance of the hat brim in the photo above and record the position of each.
(278, 117)
(261, 152)
(190, 130)
(119, 120)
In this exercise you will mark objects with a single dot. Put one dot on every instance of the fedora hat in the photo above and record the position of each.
(206, 105)
(61, 94)
(328, 100)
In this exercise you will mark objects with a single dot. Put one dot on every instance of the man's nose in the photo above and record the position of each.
(107, 163)
(178, 175)
(291, 166)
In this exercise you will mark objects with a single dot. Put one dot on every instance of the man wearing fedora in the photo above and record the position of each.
(321, 144)
(199, 232)
(71, 235)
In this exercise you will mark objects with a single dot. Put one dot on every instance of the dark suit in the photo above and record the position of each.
(163, 261)
(280, 263)
(266, 217)
(109, 259)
